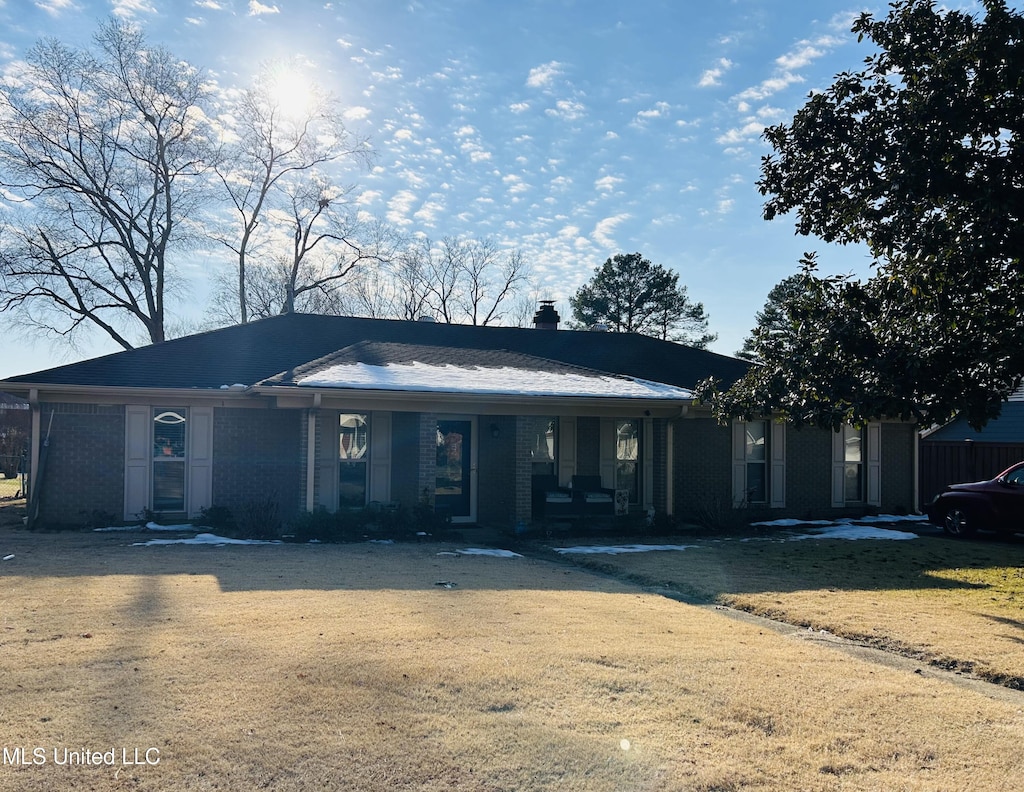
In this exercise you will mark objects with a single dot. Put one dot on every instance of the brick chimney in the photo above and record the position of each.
(546, 317)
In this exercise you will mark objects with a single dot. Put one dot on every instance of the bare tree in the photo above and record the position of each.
(100, 150)
(270, 140)
(490, 280)
(460, 279)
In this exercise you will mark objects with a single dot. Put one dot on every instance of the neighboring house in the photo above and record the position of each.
(480, 422)
(956, 453)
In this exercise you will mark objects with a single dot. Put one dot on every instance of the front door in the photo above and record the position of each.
(455, 486)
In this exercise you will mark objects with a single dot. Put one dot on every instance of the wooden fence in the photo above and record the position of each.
(942, 463)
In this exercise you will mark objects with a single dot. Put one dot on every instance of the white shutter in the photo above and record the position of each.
(200, 459)
(566, 449)
(138, 459)
(739, 463)
(838, 470)
(777, 476)
(380, 456)
(607, 450)
(327, 459)
(874, 463)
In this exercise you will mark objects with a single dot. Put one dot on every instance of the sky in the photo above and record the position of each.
(571, 130)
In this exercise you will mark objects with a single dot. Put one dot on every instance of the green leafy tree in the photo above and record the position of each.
(919, 155)
(773, 318)
(629, 294)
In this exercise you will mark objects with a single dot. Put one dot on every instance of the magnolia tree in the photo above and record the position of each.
(920, 156)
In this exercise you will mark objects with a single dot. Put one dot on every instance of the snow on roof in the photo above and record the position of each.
(423, 377)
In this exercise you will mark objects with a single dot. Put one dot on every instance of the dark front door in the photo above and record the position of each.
(453, 487)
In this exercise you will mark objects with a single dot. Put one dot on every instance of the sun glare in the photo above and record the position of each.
(291, 92)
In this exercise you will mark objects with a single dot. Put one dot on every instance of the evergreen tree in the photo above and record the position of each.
(629, 294)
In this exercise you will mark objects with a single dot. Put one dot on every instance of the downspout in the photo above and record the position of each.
(917, 470)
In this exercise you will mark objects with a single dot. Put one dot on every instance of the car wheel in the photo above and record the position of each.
(958, 522)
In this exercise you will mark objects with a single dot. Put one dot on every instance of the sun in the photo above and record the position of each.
(290, 92)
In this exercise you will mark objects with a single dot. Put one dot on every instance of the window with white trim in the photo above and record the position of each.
(627, 457)
(353, 458)
(853, 465)
(759, 463)
(170, 440)
(755, 458)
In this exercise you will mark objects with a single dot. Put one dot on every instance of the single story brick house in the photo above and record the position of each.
(492, 425)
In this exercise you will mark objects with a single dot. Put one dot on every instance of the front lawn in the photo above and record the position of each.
(956, 604)
(410, 666)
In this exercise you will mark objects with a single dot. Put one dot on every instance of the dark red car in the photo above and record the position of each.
(996, 505)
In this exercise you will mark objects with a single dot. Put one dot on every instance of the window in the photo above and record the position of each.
(755, 458)
(857, 466)
(169, 458)
(627, 457)
(853, 464)
(353, 453)
(759, 464)
(542, 432)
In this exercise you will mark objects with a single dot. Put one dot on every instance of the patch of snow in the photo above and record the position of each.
(422, 377)
(617, 549)
(8, 557)
(878, 518)
(485, 551)
(150, 526)
(205, 539)
(854, 532)
(789, 523)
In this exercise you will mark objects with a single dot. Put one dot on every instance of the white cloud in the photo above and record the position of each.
(609, 135)
(607, 184)
(602, 233)
(769, 87)
(519, 107)
(660, 110)
(465, 131)
(542, 76)
(400, 206)
(806, 52)
(356, 113)
(54, 7)
(749, 131)
(725, 206)
(211, 5)
(404, 134)
(367, 197)
(129, 8)
(711, 77)
(256, 8)
(344, 43)
(566, 109)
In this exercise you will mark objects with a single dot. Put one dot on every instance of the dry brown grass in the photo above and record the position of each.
(955, 604)
(346, 667)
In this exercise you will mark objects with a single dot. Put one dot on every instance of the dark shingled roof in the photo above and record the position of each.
(257, 351)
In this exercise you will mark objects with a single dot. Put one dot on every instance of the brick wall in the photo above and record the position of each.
(703, 471)
(660, 464)
(588, 446)
(808, 473)
(405, 451)
(427, 460)
(898, 474)
(85, 464)
(703, 466)
(257, 454)
(496, 470)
